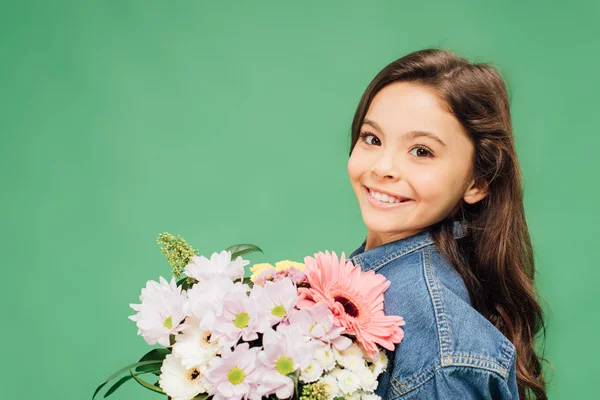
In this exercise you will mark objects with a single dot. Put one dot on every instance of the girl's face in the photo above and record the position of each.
(411, 165)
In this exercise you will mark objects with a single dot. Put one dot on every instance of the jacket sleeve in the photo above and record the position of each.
(465, 383)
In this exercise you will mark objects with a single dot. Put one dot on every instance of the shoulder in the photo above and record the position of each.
(445, 337)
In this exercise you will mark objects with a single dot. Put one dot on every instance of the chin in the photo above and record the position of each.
(382, 226)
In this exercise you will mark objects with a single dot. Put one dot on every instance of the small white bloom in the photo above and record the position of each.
(368, 380)
(311, 373)
(332, 386)
(195, 346)
(207, 297)
(348, 382)
(351, 358)
(380, 362)
(179, 382)
(161, 312)
(353, 351)
(353, 396)
(202, 269)
(324, 356)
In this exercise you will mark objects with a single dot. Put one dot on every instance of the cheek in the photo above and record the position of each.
(439, 185)
(356, 165)
(426, 183)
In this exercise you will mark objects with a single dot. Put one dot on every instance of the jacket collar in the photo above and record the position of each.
(376, 257)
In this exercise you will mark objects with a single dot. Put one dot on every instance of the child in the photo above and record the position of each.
(434, 168)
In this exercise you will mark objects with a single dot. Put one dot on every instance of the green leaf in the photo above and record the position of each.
(182, 281)
(201, 397)
(153, 355)
(119, 372)
(146, 384)
(248, 281)
(118, 384)
(186, 282)
(242, 249)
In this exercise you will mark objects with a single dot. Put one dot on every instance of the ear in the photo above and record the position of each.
(476, 191)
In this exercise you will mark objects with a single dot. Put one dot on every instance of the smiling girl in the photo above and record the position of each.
(434, 169)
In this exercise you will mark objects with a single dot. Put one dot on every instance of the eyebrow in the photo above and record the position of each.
(410, 134)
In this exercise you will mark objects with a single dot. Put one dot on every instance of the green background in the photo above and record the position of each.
(228, 122)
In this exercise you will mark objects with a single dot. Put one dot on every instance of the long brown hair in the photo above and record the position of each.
(495, 259)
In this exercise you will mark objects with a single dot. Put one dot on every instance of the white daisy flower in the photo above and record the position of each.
(179, 382)
(311, 373)
(380, 362)
(161, 312)
(194, 345)
(348, 382)
(206, 298)
(351, 358)
(331, 384)
(324, 355)
(368, 380)
(202, 269)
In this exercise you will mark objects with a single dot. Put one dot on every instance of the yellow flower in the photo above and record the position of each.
(257, 269)
(285, 264)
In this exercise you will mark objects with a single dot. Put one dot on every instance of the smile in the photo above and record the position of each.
(383, 201)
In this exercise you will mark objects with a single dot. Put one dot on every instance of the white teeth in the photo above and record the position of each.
(384, 197)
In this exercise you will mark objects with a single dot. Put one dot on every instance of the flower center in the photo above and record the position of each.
(236, 375)
(194, 374)
(205, 339)
(349, 307)
(278, 311)
(284, 365)
(168, 322)
(241, 320)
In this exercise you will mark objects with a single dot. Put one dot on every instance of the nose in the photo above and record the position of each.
(386, 166)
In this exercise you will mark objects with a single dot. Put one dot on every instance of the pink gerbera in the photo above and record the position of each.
(355, 299)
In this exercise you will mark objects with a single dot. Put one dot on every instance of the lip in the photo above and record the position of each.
(382, 205)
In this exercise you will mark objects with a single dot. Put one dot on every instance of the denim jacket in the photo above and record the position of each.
(449, 350)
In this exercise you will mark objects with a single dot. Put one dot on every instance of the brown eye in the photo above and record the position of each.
(421, 152)
(365, 137)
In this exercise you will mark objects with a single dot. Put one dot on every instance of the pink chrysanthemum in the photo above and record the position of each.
(355, 299)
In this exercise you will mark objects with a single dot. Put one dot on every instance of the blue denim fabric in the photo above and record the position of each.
(449, 350)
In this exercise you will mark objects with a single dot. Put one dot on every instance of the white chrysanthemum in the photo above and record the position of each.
(352, 351)
(348, 382)
(352, 396)
(351, 358)
(161, 312)
(380, 362)
(368, 380)
(206, 298)
(331, 384)
(324, 356)
(193, 346)
(311, 373)
(202, 269)
(369, 396)
(179, 382)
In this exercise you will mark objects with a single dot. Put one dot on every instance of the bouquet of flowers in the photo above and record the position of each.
(307, 331)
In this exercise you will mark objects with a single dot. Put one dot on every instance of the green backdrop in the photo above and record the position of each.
(228, 122)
